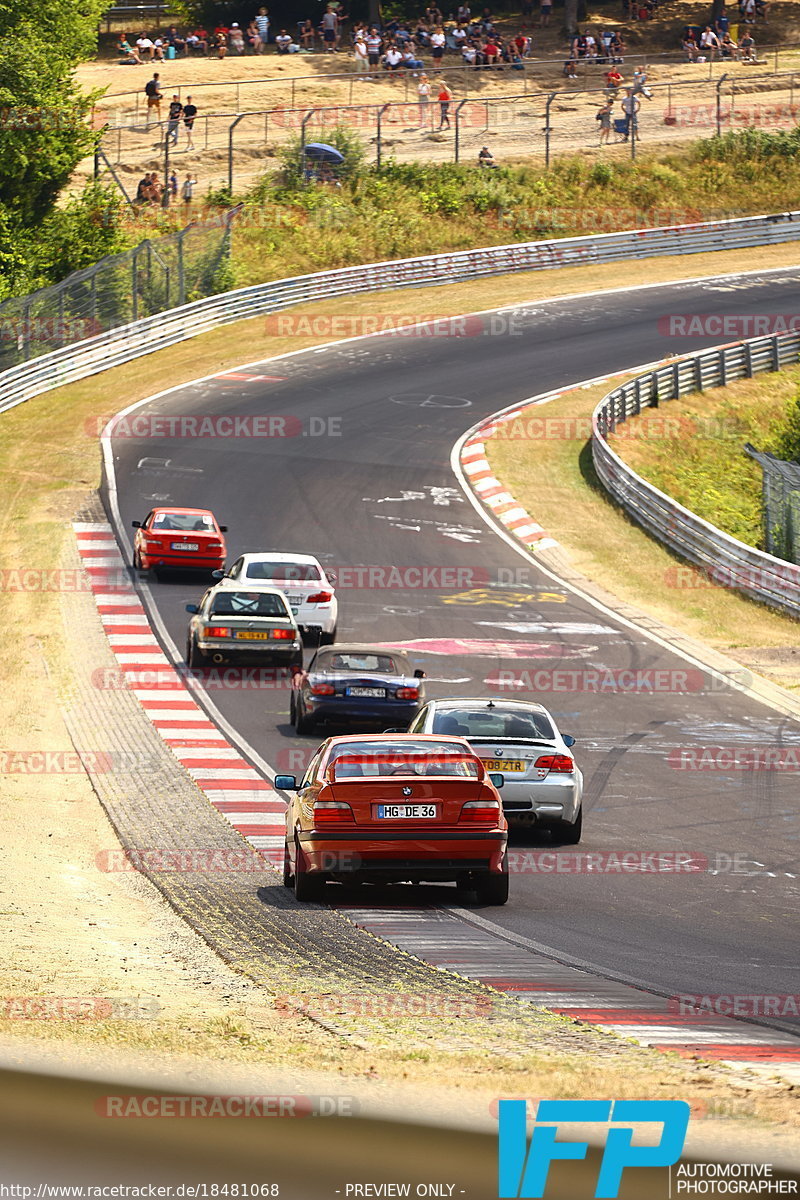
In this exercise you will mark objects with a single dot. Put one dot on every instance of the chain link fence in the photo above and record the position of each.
(780, 504)
(155, 276)
(228, 150)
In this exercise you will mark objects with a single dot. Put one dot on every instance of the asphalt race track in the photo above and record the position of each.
(367, 481)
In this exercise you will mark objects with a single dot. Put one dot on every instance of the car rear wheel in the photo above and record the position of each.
(306, 887)
(302, 723)
(137, 561)
(566, 833)
(288, 877)
(194, 657)
(492, 888)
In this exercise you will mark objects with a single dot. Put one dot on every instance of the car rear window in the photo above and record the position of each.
(249, 604)
(285, 572)
(382, 759)
(186, 522)
(337, 661)
(493, 723)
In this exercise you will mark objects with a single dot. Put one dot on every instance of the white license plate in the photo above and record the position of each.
(366, 691)
(392, 812)
(295, 602)
(504, 764)
(185, 545)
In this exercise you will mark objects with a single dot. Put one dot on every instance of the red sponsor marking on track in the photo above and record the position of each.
(484, 648)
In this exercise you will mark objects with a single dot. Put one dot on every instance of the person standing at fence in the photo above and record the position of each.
(630, 108)
(187, 193)
(330, 29)
(189, 114)
(172, 186)
(545, 9)
(424, 100)
(360, 56)
(152, 89)
(604, 118)
(174, 118)
(445, 100)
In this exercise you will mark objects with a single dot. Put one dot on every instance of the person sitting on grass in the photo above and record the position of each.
(486, 158)
(127, 52)
(236, 39)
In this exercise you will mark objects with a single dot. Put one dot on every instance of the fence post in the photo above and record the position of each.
(303, 124)
(457, 141)
(550, 100)
(378, 140)
(165, 193)
(720, 82)
(181, 271)
(230, 150)
(135, 282)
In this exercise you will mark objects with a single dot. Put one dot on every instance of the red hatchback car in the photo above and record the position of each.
(187, 539)
(396, 808)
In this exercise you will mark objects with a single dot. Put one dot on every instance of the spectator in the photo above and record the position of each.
(617, 48)
(236, 39)
(424, 100)
(222, 42)
(469, 54)
(142, 189)
(438, 45)
(728, 47)
(282, 42)
(463, 14)
(604, 117)
(640, 87)
(126, 51)
(145, 47)
(486, 158)
(523, 44)
(173, 187)
(722, 24)
(410, 63)
(492, 53)
(748, 10)
(155, 191)
(177, 42)
(152, 89)
(307, 35)
(253, 38)
(330, 29)
(392, 59)
(630, 109)
(545, 10)
(189, 114)
(613, 81)
(570, 68)
(361, 56)
(174, 115)
(690, 46)
(262, 21)
(445, 98)
(747, 48)
(187, 192)
(198, 40)
(158, 49)
(374, 46)
(709, 43)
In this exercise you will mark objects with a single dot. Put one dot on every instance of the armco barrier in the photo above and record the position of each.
(770, 580)
(127, 342)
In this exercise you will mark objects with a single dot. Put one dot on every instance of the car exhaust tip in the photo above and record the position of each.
(217, 658)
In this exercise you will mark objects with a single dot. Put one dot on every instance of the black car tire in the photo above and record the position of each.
(306, 887)
(291, 709)
(566, 833)
(194, 657)
(302, 723)
(327, 639)
(137, 561)
(492, 888)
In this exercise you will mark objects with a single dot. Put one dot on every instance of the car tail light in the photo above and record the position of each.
(407, 693)
(332, 812)
(214, 546)
(217, 631)
(481, 812)
(323, 689)
(152, 544)
(320, 598)
(284, 634)
(555, 762)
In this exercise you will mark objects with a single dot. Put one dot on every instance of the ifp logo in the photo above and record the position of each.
(523, 1170)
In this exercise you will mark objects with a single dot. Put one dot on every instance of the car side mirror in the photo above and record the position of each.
(419, 674)
(569, 740)
(331, 576)
(136, 524)
(193, 608)
(223, 528)
(217, 574)
(497, 779)
(285, 783)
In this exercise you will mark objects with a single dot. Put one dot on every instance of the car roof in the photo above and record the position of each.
(367, 738)
(281, 556)
(246, 587)
(484, 701)
(181, 508)
(360, 648)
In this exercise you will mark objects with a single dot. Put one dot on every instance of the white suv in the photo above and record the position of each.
(301, 579)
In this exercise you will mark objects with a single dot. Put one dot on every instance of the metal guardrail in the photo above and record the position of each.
(771, 581)
(127, 342)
